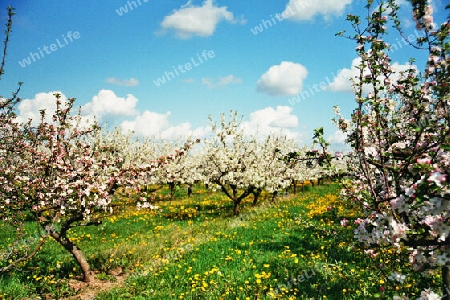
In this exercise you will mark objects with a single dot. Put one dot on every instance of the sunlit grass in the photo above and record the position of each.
(193, 248)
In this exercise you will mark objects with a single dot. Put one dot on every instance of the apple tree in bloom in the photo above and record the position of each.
(237, 163)
(301, 167)
(308, 163)
(400, 135)
(181, 170)
(240, 165)
(230, 161)
(62, 173)
(49, 174)
(271, 174)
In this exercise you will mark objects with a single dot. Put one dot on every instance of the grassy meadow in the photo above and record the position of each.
(193, 248)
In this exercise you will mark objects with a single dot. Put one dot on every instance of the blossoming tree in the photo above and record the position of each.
(400, 135)
(240, 165)
(62, 173)
(180, 171)
(230, 161)
(59, 175)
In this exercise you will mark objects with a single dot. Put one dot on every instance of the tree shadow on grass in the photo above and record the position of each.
(314, 277)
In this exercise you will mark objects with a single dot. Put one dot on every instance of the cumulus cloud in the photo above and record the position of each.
(338, 137)
(337, 141)
(301, 10)
(221, 82)
(152, 124)
(192, 20)
(148, 123)
(283, 79)
(103, 106)
(344, 79)
(124, 82)
(261, 123)
(107, 104)
(29, 108)
(271, 120)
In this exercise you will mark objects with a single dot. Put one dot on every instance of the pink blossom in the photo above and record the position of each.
(424, 161)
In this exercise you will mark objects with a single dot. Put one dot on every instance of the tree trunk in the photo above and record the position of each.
(189, 190)
(274, 196)
(172, 190)
(76, 253)
(446, 282)
(236, 207)
(236, 201)
(256, 196)
(294, 183)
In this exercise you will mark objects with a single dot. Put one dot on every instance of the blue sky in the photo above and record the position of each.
(161, 67)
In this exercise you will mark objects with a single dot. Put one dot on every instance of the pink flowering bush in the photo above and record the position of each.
(400, 135)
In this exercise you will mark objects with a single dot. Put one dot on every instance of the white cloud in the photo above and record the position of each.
(208, 82)
(148, 123)
(221, 82)
(261, 123)
(152, 124)
(301, 10)
(103, 106)
(107, 104)
(338, 137)
(124, 82)
(343, 80)
(337, 141)
(272, 121)
(192, 20)
(29, 108)
(283, 79)
(224, 81)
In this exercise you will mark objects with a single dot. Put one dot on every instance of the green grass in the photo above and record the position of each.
(193, 248)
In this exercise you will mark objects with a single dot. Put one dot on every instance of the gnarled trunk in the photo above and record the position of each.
(256, 194)
(172, 190)
(76, 253)
(62, 238)
(233, 195)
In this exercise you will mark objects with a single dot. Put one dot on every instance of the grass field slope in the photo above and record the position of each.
(300, 247)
